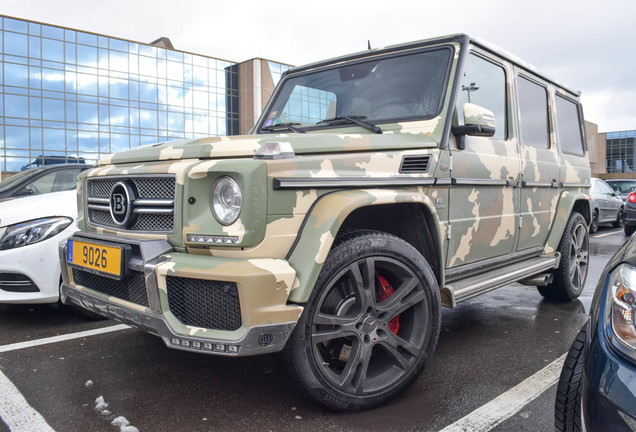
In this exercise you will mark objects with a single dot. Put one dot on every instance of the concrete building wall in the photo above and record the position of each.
(596, 149)
(256, 85)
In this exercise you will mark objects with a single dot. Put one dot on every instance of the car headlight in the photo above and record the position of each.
(30, 232)
(621, 307)
(227, 200)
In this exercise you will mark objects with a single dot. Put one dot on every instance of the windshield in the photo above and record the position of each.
(19, 177)
(379, 90)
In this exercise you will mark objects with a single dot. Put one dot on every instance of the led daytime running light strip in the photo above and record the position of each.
(212, 239)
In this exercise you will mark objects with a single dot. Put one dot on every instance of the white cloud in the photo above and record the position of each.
(582, 43)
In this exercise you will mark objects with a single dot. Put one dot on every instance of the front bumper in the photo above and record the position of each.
(31, 274)
(193, 302)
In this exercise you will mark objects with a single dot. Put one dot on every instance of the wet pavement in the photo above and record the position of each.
(487, 346)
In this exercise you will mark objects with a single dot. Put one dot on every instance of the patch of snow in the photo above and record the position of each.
(88, 383)
(100, 404)
(124, 425)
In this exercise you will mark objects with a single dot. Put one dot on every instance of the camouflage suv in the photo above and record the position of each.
(375, 189)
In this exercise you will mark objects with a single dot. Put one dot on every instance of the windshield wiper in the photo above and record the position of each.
(288, 126)
(353, 119)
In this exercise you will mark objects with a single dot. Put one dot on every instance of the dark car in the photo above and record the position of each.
(607, 207)
(35, 181)
(622, 186)
(630, 214)
(597, 387)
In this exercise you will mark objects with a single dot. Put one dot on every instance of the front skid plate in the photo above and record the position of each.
(257, 340)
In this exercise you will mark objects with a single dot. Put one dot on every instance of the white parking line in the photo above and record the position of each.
(507, 404)
(61, 338)
(16, 411)
(607, 234)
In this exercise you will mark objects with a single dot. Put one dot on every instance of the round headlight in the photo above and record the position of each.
(227, 200)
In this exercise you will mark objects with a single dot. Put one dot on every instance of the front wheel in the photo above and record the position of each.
(370, 325)
(620, 219)
(567, 406)
(570, 276)
(629, 229)
(594, 224)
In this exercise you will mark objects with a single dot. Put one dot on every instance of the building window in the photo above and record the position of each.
(71, 94)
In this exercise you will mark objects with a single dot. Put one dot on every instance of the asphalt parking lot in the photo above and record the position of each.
(495, 368)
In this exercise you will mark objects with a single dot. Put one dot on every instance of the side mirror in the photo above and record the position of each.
(23, 192)
(478, 121)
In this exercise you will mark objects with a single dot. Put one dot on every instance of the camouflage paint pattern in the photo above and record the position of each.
(285, 234)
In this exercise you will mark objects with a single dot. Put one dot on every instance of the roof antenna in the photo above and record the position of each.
(369, 43)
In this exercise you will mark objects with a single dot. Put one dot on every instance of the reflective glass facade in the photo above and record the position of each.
(620, 151)
(70, 94)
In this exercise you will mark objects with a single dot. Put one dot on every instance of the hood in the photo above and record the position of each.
(38, 206)
(246, 145)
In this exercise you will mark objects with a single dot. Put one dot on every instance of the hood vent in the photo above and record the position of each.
(415, 164)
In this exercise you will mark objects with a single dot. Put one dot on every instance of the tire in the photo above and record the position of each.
(620, 220)
(629, 229)
(355, 348)
(567, 407)
(570, 276)
(594, 224)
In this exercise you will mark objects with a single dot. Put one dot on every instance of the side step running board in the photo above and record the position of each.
(465, 289)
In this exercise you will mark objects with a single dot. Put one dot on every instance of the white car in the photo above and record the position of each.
(31, 229)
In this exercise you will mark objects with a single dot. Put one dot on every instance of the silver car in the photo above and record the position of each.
(607, 206)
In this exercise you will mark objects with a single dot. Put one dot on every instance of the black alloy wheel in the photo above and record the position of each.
(570, 276)
(370, 325)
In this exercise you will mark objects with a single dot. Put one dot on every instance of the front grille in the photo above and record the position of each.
(155, 215)
(131, 289)
(204, 303)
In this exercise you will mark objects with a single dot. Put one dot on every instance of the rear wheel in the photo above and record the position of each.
(570, 276)
(567, 407)
(629, 229)
(370, 325)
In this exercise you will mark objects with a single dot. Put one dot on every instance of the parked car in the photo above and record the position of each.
(374, 189)
(630, 214)
(607, 206)
(31, 229)
(597, 387)
(622, 186)
(42, 180)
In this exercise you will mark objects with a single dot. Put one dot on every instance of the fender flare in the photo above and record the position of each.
(567, 201)
(324, 220)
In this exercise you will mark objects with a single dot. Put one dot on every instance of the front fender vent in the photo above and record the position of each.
(415, 164)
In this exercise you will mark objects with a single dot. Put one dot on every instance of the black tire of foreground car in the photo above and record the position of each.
(371, 324)
(567, 407)
(629, 229)
(569, 277)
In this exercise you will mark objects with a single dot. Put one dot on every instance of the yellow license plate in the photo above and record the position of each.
(97, 257)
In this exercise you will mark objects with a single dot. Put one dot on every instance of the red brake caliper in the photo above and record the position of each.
(384, 292)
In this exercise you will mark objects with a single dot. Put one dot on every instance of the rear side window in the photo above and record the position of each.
(533, 106)
(569, 126)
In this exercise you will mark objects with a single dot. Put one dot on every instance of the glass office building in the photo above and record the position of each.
(68, 94)
(620, 151)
